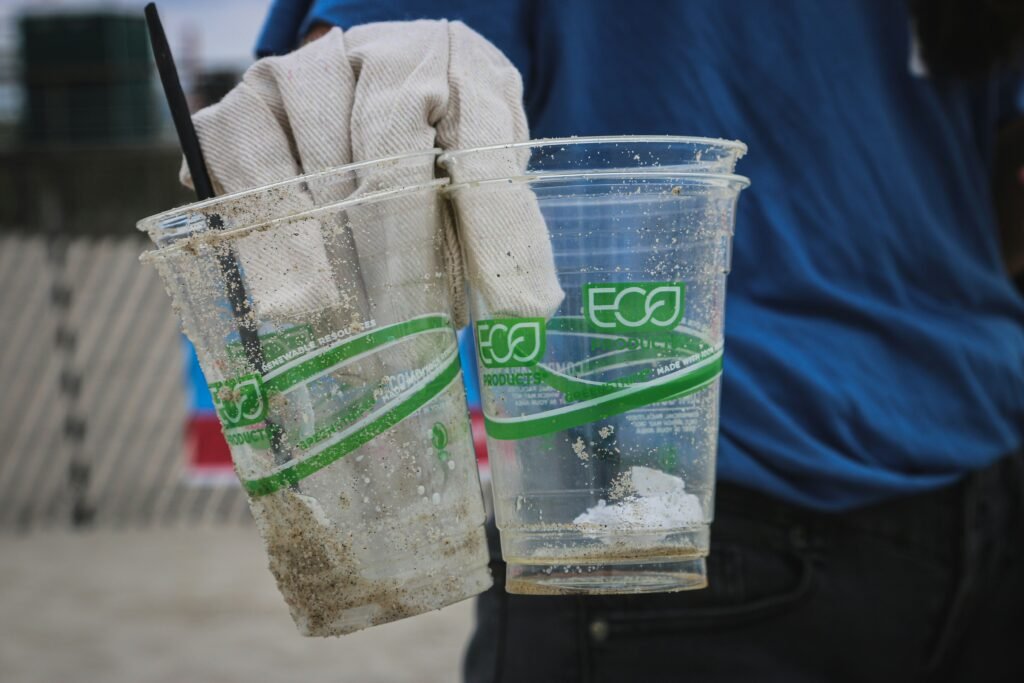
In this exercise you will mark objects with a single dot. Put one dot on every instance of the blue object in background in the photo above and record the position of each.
(199, 400)
(874, 345)
(467, 356)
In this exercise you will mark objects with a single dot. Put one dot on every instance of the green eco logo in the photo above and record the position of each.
(240, 402)
(510, 342)
(629, 307)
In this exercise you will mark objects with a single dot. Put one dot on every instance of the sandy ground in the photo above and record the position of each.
(188, 605)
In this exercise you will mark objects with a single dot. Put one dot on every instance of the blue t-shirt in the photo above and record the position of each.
(875, 346)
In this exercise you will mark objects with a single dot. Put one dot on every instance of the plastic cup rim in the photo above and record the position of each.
(737, 145)
(218, 236)
(707, 179)
(153, 222)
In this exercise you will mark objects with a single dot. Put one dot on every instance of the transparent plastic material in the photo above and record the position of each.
(289, 197)
(602, 420)
(662, 153)
(344, 405)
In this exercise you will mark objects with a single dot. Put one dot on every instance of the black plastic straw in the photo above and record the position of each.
(193, 152)
(178, 104)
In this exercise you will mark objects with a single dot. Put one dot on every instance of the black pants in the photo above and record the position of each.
(923, 588)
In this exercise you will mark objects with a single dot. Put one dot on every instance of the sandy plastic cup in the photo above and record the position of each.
(351, 437)
(289, 197)
(602, 420)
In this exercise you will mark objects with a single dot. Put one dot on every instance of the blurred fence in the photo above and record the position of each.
(93, 408)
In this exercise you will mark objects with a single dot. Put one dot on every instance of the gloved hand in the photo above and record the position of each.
(373, 91)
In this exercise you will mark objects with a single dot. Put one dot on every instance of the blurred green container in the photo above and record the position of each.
(87, 77)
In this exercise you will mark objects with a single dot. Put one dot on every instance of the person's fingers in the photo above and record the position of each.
(428, 83)
(504, 237)
(227, 131)
(402, 84)
(289, 115)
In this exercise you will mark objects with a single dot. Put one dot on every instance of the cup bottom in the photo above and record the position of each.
(607, 579)
(420, 597)
(337, 579)
(566, 559)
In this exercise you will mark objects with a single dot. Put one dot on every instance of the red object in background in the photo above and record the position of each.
(480, 441)
(207, 453)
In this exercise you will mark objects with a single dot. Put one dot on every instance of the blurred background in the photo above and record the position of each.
(127, 552)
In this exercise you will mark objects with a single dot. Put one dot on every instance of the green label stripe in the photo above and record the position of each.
(305, 369)
(618, 359)
(297, 470)
(275, 344)
(672, 386)
(594, 400)
(348, 417)
(669, 342)
(666, 345)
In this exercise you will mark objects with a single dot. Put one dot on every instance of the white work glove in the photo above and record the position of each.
(373, 91)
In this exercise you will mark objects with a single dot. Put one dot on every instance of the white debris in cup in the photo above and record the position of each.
(660, 501)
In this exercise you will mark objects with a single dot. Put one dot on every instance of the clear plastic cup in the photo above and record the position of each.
(602, 420)
(289, 197)
(338, 386)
